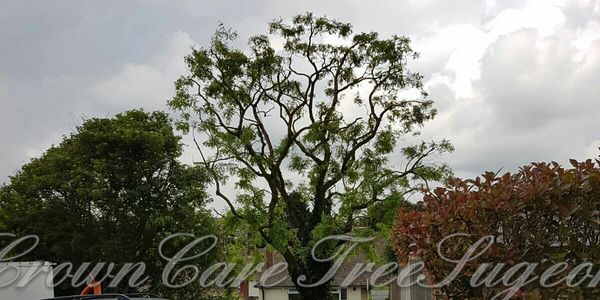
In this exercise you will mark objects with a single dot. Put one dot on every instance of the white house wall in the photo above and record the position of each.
(355, 294)
(253, 291)
(274, 294)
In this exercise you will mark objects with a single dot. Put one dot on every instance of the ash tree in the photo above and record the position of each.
(304, 124)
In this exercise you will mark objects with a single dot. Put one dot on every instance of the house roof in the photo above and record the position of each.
(359, 256)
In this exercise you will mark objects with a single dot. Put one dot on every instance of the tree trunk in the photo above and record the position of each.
(300, 262)
(314, 272)
(315, 293)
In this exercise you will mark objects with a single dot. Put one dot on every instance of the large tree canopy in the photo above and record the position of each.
(108, 193)
(305, 124)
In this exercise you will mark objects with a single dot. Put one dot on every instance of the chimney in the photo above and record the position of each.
(270, 256)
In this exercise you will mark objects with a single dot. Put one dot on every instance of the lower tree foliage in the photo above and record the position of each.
(110, 192)
(543, 214)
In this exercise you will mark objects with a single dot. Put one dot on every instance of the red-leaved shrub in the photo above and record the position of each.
(543, 214)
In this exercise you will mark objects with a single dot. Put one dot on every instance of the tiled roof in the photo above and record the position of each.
(358, 257)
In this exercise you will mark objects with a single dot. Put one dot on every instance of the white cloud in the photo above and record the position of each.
(464, 44)
(147, 85)
(509, 88)
(592, 150)
(543, 15)
(519, 88)
(513, 80)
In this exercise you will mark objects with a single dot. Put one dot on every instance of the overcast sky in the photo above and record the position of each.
(514, 81)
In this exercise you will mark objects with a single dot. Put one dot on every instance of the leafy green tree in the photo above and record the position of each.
(544, 214)
(305, 123)
(110, 192)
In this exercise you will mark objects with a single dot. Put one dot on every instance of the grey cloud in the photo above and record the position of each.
(535, 102)
(62, 60)
(56, 56)
(531, 82)
(581, 11)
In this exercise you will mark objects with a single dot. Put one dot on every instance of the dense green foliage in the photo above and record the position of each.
(543, 214)
(305, 131)
(109, 193)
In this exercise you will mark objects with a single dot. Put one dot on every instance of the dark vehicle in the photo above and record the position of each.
(109, 297)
